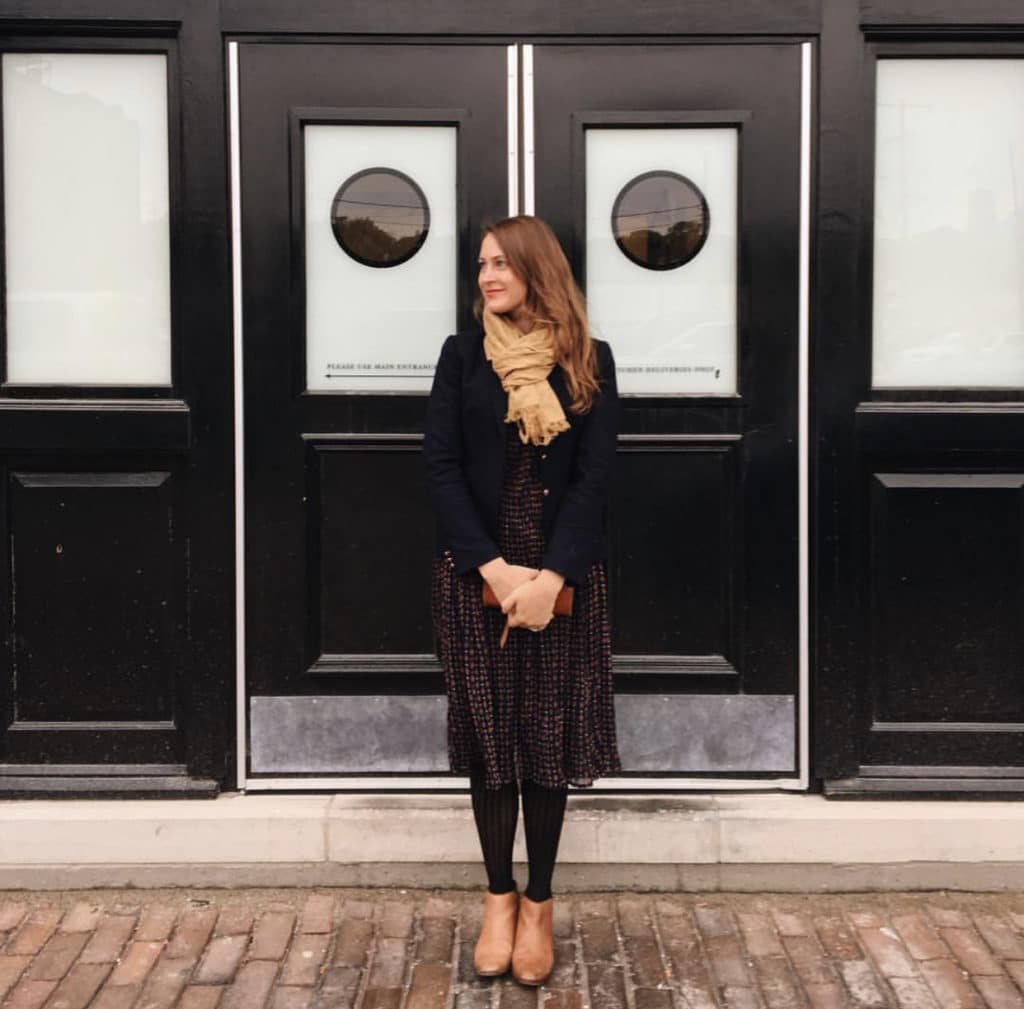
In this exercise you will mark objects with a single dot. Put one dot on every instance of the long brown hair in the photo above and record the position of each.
(552, 297)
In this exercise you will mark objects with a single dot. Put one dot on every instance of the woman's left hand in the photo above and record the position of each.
(532, 604)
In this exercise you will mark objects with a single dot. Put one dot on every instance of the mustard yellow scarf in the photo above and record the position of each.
(523, 361)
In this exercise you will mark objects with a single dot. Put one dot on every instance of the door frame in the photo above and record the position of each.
(521, 200)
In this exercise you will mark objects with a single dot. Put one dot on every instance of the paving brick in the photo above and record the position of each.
(121, 997)
(999, 992)
(968, 948)
(192, 934)
(776, 981)
(83, 917)
(562, 924)
(11, 914)
(1015, 968)
(949, 985)
(862, 984)
(233, 921)
(759, 934)
(318, 914)
(682, 947)
(435, 942)
(165, 983)
(358, 909)
(429, 989)
(714, 921)
(644, 958)
(271, 935)
(79, 987)
(136, 963)
(607, 988)
(789, 923)
(836, 937)
(30, 994)
(599, 939)
(807, 958)
(949, 917)
(388, 967)
(200, 997)
(251, 986)
(652, 998)
(594, 908)
(919, 937)
(563, 998)
(339, 988)
(57, 956)
(563, 974)
(480, 998)
(1001, 937)
(889, 956)
(827, 995)
(11, 968)
(396, 919)
(865, 919)
(35, 929)
(381, 998)
(223, 956)
(512, 995)
(728, 963)
(304, 959)
(156, 923)
(913, 993)
(439, 907)
(291, 998)
(108, 940)
(736, 997)
(634, 916)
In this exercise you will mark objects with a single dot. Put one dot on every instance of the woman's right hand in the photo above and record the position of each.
(504, 577)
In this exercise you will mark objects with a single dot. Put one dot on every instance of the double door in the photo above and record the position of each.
(672, 176)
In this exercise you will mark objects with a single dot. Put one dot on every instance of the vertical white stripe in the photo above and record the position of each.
(241, 732)
(513, 130)
(528, 205)
(803, 688)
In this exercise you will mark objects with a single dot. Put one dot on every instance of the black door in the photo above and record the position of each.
(366, 172)
(673, 173)
(341, 675)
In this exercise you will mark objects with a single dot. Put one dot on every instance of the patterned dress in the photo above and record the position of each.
(540, 709)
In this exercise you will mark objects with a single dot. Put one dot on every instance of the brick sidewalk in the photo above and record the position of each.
(391, 949)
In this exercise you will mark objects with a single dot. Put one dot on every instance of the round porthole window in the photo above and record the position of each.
(380, 217)
(660, 220)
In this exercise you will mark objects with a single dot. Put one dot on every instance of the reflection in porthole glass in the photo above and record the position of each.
(380, 217)
(660, 220)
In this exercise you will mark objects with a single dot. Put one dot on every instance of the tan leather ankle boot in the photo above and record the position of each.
(534, 953)
(493, 951)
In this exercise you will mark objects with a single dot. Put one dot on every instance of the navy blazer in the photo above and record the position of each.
(464, 454)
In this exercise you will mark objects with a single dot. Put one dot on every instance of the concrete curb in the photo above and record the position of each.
(781, 842)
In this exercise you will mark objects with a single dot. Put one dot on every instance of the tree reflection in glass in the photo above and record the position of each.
(660, 220)
(380, 217)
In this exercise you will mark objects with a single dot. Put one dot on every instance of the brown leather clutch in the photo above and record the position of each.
(563, 601)
(563, 606)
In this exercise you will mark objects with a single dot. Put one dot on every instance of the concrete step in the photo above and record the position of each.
(700, 842)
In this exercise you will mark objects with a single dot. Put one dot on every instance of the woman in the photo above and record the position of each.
(519, 445)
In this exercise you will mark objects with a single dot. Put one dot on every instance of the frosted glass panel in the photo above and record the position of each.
(380, 255)
(87, 237)
(672, 327)
(949, 224)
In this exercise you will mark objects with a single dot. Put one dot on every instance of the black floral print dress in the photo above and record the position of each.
(542, 708)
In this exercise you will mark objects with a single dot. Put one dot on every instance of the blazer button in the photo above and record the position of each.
(543, 455)
(546, 492)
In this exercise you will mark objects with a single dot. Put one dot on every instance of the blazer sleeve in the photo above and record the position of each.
(471, 543)
(576, 537)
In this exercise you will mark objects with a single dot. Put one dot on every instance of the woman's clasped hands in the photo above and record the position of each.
(527, 595)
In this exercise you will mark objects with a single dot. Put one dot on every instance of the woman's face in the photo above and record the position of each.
(502, 289)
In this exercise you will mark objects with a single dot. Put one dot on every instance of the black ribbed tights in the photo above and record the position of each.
(496, 812)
